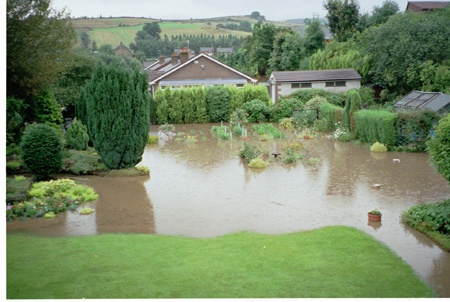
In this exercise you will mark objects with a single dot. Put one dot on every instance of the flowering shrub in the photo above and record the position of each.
(51, 196)
(342, 134)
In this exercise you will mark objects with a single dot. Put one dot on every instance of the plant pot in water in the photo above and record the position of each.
(374, 218)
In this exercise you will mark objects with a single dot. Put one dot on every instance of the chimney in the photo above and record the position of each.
(161, 59)
(184, 55)
(174, 58)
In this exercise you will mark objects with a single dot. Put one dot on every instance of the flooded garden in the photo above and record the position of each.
(200, 187)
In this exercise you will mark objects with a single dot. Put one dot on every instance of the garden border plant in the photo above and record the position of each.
(51, 196)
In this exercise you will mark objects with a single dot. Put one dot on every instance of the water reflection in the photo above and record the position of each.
(204, 189)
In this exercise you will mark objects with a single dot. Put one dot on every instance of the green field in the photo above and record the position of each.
(107, 30)
(323, 263)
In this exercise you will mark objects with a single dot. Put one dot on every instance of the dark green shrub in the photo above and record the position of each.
(439, 147)
(432, 219)
(76, 136)
(47, 110)
(187, 101)
(201, 112)
(315, 102)
(15, 111)
(332, 114)
(413, 129)
(251, 93)
(284, 108)
(248, 152)
(376, 125)
(118, 114)
(257, 111)
(41, 150)
(162, 111)
(153, 113)
(305, 95)
(352, 104)
(218, 104)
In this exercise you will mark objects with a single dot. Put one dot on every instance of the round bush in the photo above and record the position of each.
(439, 147)
(76, 136)
(378, 147)
(41, 150)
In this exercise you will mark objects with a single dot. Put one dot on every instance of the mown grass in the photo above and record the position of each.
(328, 262)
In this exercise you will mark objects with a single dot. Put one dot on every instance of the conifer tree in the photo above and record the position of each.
(201, 113)
(117, 111)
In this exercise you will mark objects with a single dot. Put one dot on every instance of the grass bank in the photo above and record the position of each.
(328, 262)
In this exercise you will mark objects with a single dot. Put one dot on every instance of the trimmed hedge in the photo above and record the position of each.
(376, 125)
(332, 114)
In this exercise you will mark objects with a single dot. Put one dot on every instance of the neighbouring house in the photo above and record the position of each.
(123, 50)
(226, 51)
(420, 6)
(207, 50)
(420, 100)
(202, 70)
(284, 83)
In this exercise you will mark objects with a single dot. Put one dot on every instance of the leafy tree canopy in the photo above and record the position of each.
(38, 41)
(343, 18)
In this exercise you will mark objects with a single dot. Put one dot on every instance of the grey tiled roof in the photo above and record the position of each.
(315, 75)
(435, 101)
(202, 82)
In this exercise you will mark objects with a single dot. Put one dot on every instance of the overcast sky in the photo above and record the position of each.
(273, 10)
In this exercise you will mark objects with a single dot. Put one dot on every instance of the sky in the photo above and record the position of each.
(273, 10)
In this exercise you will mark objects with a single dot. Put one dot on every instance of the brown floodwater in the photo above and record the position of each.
(203, 189)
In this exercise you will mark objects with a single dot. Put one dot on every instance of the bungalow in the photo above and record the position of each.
(419, 100)
(284, 83)
(200, 70)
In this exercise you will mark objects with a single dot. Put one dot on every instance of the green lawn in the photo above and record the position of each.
(328, 262)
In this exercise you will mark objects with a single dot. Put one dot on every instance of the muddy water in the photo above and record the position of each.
(203, 189)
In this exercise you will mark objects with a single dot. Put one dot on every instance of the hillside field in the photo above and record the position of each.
(112, 31)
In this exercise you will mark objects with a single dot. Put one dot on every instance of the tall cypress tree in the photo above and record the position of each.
(116, 106)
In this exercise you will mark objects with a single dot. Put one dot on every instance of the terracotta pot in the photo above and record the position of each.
(374, 218)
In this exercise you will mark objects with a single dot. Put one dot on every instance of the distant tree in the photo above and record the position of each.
(259, 47)
(117, 109)
(343, 18)
(38, 40)
(255, 15)
(315, 37)
(152, 29)
(398, 66)
(288, 51)
(67, 90)
(85, 40)
(380, 14)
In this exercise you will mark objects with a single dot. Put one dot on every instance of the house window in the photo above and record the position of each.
(335, 84)
(300, 85)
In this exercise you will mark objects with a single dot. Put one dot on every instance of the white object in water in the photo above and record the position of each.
(396, 160)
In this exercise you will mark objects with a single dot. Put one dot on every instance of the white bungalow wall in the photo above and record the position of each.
(284, 89)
